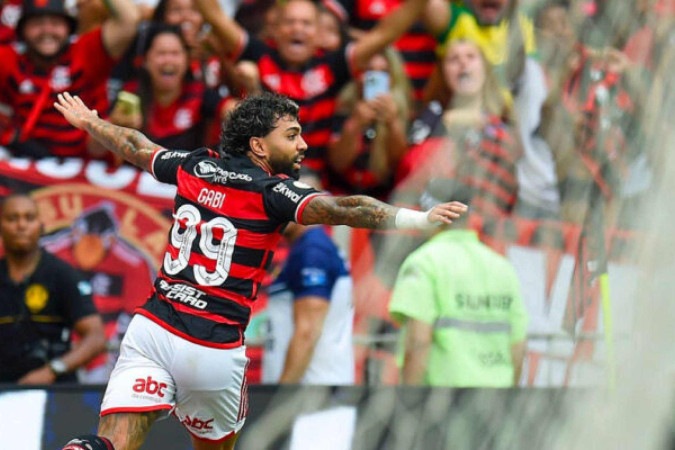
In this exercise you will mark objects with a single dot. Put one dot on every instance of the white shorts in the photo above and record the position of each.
(204, 387)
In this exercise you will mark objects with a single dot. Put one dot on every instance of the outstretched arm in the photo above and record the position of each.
(437, 16)
(121, 26)
(387, 30)
(130, 144)
(360, 211)
(228, 31)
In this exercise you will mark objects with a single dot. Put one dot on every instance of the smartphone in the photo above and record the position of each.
(129, 103)
(375, 82)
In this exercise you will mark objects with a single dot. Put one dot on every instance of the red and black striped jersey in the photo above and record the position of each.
(82, 69)
(359, 178)
(314, 88)
(482, 157)
(416, 46)
(228, 218)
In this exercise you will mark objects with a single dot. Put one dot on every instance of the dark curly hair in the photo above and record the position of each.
(255, 116)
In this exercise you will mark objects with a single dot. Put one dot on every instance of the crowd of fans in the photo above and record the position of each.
(546, 108)
(538, 102)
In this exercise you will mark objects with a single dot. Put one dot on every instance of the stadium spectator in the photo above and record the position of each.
(172, 108)
(369, 130)
(186, 342)
(204, 65)
(295, 67)
(417, 46)
(490, 23)
(47, 63)
(646, 45)
(333, 33)
(467, 134)
(310, 313)
(506, 36)
(461, 309)
(556, 37)
(120, 276)
(43, 301)
(590, 122)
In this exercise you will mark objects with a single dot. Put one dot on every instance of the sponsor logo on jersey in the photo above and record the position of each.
(198, 424)
(173, 154)
(209, 170)
(206, 169)
(184, 294)
(282, 189)
(149, 386)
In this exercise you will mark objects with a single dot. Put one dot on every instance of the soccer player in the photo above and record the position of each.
(184, 351)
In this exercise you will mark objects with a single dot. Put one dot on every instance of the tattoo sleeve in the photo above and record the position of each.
(130, 144)
(358, 211)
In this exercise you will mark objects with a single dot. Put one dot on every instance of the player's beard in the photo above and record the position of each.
(286, 167)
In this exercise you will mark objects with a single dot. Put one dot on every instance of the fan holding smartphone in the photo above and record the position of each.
(375, 83)
(369, 133)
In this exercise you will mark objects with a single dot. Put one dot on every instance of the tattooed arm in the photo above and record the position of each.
(360, 211)
(130, 144)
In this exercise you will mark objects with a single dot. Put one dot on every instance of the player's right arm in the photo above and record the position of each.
(361, 211)
(132, 145)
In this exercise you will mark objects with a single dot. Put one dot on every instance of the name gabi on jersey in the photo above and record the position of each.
(184, 294)
(282, 189)
(209, 197)
(209, 170)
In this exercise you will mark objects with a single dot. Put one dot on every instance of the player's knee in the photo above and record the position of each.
(89, 442)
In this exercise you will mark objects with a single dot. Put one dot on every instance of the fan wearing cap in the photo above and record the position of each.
(48, 59)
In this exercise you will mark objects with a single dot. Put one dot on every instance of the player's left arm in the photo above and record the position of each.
(132, 145)
(361, 211)
(309, 314)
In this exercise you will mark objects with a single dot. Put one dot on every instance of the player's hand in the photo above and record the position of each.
(74, 110)
(445, 213)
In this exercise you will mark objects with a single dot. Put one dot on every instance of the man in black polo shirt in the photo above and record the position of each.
(42, 300)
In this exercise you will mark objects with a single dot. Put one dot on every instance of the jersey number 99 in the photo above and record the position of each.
(220, 252)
